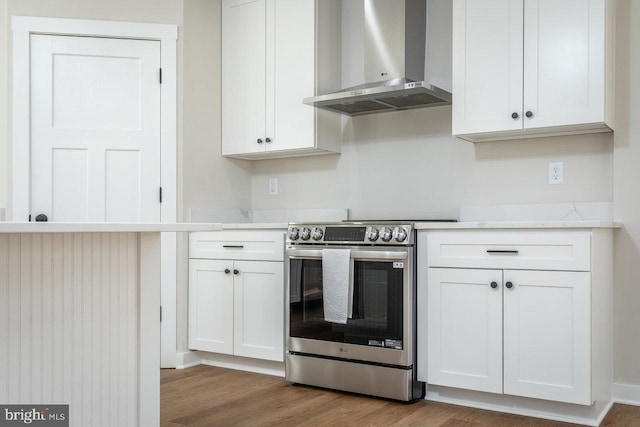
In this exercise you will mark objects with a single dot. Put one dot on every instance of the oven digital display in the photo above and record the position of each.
(344, 234)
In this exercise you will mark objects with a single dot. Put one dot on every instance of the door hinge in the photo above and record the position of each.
(161, 313)
(160, 194)
(160, 75)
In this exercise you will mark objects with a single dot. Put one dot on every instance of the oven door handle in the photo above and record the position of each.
(356, 254)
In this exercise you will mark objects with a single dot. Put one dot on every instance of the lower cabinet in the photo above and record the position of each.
(237, 307)
(525, 313)
(518, 332)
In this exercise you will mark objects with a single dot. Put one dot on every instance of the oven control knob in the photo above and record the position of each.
(400, 234)
(386, 234)
(294, 233)
(305, 233)
(317, 233)
(373, 234)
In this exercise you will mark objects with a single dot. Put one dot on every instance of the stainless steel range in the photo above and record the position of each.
(351, 299)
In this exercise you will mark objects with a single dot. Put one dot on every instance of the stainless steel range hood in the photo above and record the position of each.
(394, 45)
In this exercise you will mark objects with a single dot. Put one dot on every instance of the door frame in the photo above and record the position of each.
(167, 35)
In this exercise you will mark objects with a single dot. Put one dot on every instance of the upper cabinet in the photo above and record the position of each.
(531, 68)
(270, 55)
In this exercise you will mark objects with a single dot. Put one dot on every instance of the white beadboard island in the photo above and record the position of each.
(79, 318)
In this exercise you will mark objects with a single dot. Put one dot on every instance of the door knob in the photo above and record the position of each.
(515, 116)
(529, 114)
(259, 140)
(509, 285)
(494, 285)
(42, 218)
(227, 271)
(236, 272)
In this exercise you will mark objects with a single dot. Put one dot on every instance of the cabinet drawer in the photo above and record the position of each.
(238, 244)
(533, 250)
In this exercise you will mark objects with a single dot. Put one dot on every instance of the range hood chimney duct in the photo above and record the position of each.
(396, 43)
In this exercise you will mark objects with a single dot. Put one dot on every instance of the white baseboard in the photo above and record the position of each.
(536, 408)
(242, 363)
(187, 360)
(627, 394)
(194, 358)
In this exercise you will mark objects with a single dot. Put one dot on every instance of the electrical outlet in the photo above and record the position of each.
(273, 186)
(556, 173)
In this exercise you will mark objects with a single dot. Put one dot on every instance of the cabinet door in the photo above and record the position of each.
(259, 310)
(547, 344)
(564, 62)
(211, 306)
(291, 75)
(487, 65)
(464, 344)
(243, 76)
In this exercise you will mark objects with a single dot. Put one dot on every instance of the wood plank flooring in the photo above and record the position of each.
(209, 396)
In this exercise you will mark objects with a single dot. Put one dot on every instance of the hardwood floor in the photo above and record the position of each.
(209, 396)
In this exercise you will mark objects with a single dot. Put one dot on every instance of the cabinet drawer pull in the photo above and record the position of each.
(233, 246)
(502, 251)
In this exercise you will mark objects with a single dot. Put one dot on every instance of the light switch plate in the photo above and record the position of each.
(273, 186)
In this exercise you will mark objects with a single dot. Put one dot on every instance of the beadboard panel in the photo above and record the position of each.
(69, 324)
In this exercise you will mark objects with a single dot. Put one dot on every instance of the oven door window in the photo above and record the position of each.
(377, 304)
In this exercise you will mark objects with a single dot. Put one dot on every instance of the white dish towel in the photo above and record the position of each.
(337, 285)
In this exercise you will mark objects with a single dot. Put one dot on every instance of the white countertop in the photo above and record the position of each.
(515, 225)
(72, 227)
(256, 226)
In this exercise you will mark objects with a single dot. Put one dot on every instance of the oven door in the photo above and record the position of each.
(381, 327)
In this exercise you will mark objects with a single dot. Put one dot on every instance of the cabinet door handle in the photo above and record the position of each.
(494, 285)
(227, 271)
(259, 140)
(509, 285)
(233, 246)
(235, 271)
(514, 116)
(529, 114)
(502, 251)
(268, 140)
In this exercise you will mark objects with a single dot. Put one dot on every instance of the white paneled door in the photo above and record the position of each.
(95, 129)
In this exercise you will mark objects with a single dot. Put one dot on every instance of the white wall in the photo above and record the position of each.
(626, 195)
(209, 180)
(407, 165)
(4, 106)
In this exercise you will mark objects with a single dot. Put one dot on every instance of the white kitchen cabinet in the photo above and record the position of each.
(236, 304)
(211, 293)
(274, 54)
(465, 329)
(547, 335)
(531, 68)
(258, 310)
(501, 319)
